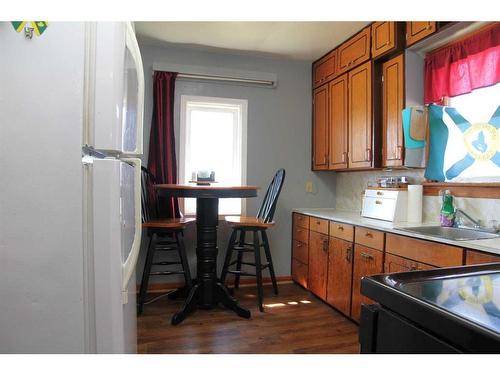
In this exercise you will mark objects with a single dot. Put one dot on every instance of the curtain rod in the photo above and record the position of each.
(225, 79)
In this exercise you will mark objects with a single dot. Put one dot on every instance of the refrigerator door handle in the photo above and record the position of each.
(133, 47)
(129, 265)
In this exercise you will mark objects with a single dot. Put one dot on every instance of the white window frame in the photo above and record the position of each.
(243, 104)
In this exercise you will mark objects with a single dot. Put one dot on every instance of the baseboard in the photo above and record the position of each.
(164, 287)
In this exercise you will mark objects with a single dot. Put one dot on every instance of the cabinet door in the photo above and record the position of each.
(320, 128)
(299, 272)
(338, 123)
(354, 52)
(338, 292)
(360, 117)
(367, 261)
(318, 263)
(392, 105)
(383, 37)
(324, 69)
(416, 31)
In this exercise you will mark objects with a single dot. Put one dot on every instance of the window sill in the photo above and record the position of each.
(466, 190)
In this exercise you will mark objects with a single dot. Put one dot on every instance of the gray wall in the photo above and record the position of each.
(279, 135)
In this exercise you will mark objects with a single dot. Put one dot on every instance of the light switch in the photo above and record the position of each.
(309, 187)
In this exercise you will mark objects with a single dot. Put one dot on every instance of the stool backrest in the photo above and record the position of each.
(149, 200)
(266, 211)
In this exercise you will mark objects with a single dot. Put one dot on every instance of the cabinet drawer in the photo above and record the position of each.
(324, 69)
(301, 220)
(300, 252)
(435, 254)
(369, 237)
(319, 225)
(354, 52)
(477, 257)
(342, 231)
(301, 234)
(394, 263)
(299, 272)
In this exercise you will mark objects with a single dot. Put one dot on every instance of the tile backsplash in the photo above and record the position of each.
(350, 185)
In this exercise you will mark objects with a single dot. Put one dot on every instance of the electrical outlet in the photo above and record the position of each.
(309, 187)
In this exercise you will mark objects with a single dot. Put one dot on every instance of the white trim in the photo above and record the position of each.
(243, 104)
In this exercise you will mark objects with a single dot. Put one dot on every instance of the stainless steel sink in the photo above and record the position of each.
(456, 234)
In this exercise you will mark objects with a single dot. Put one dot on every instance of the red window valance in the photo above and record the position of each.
(466, 65)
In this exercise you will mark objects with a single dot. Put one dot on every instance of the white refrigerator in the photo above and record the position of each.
(71, 113)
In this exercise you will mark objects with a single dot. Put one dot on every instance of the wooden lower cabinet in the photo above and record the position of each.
(299, 273)
(367, 261)
(477, 257)
(340, 260)
(318, 263)
(394, 263)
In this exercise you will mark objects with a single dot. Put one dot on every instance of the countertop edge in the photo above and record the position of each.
(354, 218)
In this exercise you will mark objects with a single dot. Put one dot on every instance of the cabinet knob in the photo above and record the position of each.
(340, 227)
(369, 235)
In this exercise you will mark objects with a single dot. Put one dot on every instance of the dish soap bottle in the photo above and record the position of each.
(447, 215)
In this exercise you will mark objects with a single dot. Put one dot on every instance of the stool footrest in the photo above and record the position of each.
(241, 273)
(166, 273)
(165, 263)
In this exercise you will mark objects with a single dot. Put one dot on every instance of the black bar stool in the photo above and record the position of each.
(257, 225)
(165, 235)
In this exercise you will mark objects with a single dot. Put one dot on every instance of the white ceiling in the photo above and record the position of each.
(294, 40)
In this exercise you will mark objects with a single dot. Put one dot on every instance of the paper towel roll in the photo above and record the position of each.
(415, 193)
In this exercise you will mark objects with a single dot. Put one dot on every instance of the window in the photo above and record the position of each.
(213, 138)
(479, 105)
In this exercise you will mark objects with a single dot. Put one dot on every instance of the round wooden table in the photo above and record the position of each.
(207, 291)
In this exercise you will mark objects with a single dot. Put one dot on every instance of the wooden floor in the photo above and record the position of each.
(293, 322)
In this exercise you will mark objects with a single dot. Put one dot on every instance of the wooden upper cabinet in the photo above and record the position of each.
(320, 128)
(340, 261)
(384, 38)
(318, 263)
(418, 30)
(354, 52)
(367, 261)
(324, 69)
(392, 105)
(338, 97)
(360, 117)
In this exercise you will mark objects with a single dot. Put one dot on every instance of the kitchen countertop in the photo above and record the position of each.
(354, 218)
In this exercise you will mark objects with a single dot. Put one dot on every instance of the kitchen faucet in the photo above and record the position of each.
(459, 222)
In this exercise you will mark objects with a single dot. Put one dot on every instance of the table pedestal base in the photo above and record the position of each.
(221, 295)
(207, 291)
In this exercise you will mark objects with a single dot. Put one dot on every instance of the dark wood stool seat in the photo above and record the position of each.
(165, 235)
(257, 225)
(247, 222)
(174, 224)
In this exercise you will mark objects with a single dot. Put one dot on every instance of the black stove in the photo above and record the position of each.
(449, 310)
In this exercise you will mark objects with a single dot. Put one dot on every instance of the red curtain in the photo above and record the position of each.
(162, 161)
(466, 65)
